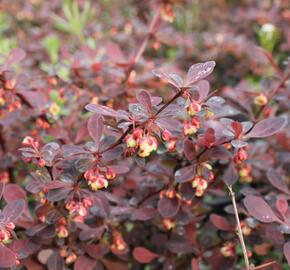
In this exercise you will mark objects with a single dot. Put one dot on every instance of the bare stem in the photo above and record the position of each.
(240, 233)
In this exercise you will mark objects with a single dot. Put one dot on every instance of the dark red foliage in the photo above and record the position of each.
(122, 129)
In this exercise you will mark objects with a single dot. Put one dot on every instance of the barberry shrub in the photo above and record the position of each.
(118, 160)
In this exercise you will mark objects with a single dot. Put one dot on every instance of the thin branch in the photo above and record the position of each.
(240, 232)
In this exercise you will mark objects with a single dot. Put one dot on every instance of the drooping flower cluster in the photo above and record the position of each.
(143, 144)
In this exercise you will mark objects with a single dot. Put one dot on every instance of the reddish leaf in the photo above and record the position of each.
(267, 127)
(195, 264)
(184, 174)
(277, 181)
(2, 186)
(15, 56)
(96, 251)
(55, 262)
(144, 214)
(168, 207)
(282, 206)
(13, 192)
(208, 138)
(237, 128)
(95, 128)
(198, 72)
(221, 223)
(189, 149)
(44, 255)
(7, 257)
(84, 263)
(231, 175)
(171, 78)
(114, 265)
(286, 250)
(203, 90)
(114, 52)
(144, 98)
(259, 209)
(13, 210)
(103, 110)
(143, 255)
(119, 169)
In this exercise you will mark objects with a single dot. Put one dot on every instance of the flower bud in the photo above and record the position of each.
(168, 224)
(171, 145)
(147, 145)
(10, 84)
(166, 135)
(200, 184)
(99, 183)
(193, 108)
(27, 141)
(10, 225)
(87, 202)
(71, 258)
(54, 109)
(130, 141)
(241, 155)
(62, 232)
(228, 250)
(41, 162)
(5, 235)
(110, 174)
(261, 100)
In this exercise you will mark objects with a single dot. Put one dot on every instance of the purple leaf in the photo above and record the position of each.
(96, 251)
(168, 207)
(103, 110)
(85, 263)
(189, 149)
(58, 194)
(143, 255)
(286, 250)
(282, 206)
(221, 223)
(15, 56)
(267, 127)
(231, 175)
(277, 181)
(144, 214)
(55, 262)
(13, 210)
(119, 169)
(203, 90)
(173, 79)
(7, 257)
(13, 192)
(259, 209)
(144, 98)
(184, 174)
(95, 128)
(198, 72)
(2, 186)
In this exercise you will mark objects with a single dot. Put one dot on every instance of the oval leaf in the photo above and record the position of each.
(267, 127)
(13, 192)
(13, 210)
(286, 250)
(220, 222)
(259, 209)
(144, 214)
(167, 208)
(143, 255)
(84, 263)
(95, 128)
(7, 257)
